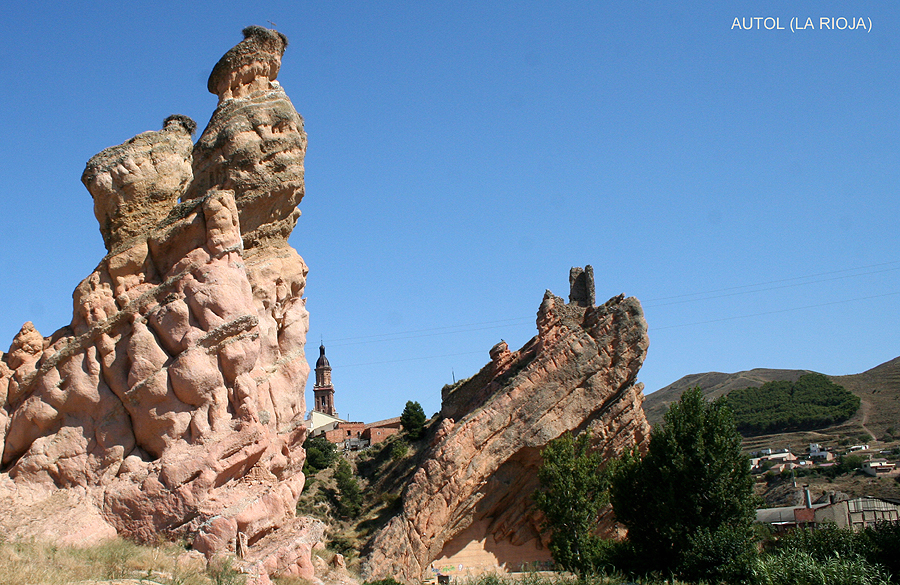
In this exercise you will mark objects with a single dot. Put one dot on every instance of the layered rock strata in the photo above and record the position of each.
(579, 372)
(173, 403)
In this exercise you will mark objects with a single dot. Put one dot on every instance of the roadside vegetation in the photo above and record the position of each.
(33, 563)
(688, 504)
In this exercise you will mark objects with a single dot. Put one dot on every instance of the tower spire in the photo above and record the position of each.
(323, 390)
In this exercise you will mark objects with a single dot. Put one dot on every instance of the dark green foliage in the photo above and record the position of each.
(824, 542)
(342, 545)
(349, 497)
(413, 420)
(812, 402)
(399, 450)
(842, 555)
(796, 567)
(724, 555)
(320, 454)
(693, 480)
(386, 581)
(850, 463)
(573, 491)
(883, 546)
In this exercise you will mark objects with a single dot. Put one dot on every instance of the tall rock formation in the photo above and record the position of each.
(173, 402)
(470, 501)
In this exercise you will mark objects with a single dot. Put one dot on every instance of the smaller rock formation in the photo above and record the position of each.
(472, 493)
(249, 66)
(135, 185)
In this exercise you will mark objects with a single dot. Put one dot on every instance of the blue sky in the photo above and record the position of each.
(463, 156)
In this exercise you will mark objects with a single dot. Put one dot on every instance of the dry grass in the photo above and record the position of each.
(32, 563)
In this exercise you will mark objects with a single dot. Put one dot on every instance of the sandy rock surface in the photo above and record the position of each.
(579, 371)
(173, 404)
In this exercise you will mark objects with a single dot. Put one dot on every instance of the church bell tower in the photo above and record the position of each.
(323, 390)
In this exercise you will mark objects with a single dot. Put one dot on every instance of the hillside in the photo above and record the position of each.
(713, 384)
(877, 388)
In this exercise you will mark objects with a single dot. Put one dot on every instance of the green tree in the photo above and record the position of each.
(413, 420)
(320, 454)
(572, 494)
(349, 500)
(688, 503)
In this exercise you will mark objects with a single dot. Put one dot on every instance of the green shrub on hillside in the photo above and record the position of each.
(320, 454)
(812, 402)
(349, 497)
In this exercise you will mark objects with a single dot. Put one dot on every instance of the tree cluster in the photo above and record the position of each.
(689, 507)
(687, 503)
(812, 402)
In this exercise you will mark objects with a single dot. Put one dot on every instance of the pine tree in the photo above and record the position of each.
(413, 420)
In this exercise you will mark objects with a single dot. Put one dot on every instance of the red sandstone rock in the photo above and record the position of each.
(173, 403)
(474, 488)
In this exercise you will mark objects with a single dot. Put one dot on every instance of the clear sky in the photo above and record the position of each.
(743, 184)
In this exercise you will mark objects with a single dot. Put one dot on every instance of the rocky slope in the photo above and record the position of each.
(474, 487)
(172, 404)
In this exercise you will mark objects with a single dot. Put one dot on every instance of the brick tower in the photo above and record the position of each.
(323, 390)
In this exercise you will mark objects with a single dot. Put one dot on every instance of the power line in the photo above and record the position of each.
(746, 292)
(652, 329)
(727, 292)
(431, 357)
(400, 336)
(776, 312)
(649, 302)
(393, 336)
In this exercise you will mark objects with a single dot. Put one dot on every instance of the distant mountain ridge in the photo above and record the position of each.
(877, 388)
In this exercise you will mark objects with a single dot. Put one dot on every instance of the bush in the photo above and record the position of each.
(399, 450)
(797, 567)
(387, 581)
(349, 497)
(413, 420)
(882, 546)
(725, 555)
(823, 543)
(342, 545)
(320, 454)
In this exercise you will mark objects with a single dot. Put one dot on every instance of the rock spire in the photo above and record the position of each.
(173, 404)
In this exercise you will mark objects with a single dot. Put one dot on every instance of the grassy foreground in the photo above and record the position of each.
(32, 563)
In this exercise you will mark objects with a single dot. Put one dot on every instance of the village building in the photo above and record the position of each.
(878, 467)
(856, 513)
(777, 461)
(323, 419)
(817, 452)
